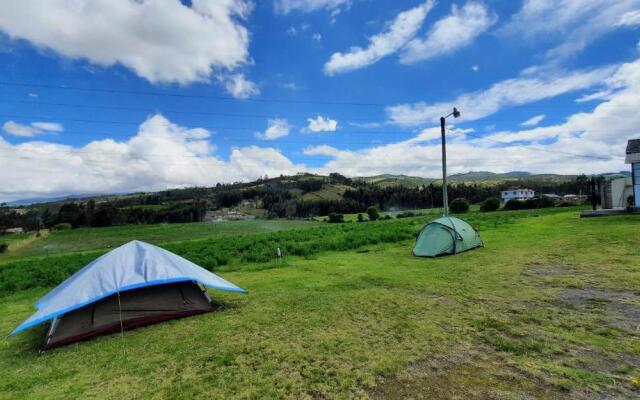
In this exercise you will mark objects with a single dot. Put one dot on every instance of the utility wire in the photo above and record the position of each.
(217, 97)
(182, 95)
(214, 127)
(609, 158)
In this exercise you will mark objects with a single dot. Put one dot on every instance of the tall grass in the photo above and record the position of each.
(233, 252)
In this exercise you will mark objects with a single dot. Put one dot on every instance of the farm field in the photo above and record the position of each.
(85, 239)
(547, 309)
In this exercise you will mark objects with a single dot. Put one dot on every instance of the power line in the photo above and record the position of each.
(609, 158)
(182, 95)
(170, 111)
(211, 127)
(227, 98)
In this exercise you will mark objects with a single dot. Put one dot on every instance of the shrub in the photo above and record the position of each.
(373, 213)
(335, 218)
(63, 226)
(459, 205)
(360, 218)
(386, 217)
(490, 204)
(514, 205)
(3, 247)
(406, 214)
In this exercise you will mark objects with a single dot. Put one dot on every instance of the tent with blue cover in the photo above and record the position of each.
(134, 285)
(446, 235)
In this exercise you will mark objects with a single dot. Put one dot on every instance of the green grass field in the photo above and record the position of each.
(84, 239)
(548, 309)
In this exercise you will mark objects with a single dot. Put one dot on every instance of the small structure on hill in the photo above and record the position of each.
(517, 194)
(446, 235)
(134, 285)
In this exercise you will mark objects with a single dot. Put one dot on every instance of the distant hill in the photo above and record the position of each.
(393, 180)
(325, 187)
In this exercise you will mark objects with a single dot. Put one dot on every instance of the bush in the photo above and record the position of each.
(490, 204)
(63, 226)
(373, 213)
(406, 214)
(335, 218)
(459, 205)
(3, 247)
(536, 202)
(360, 218)
(386, 217)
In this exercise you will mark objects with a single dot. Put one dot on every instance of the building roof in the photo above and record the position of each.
(633, 146)
(633, 151)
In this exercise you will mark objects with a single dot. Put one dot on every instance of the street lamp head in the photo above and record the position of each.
(455, 113)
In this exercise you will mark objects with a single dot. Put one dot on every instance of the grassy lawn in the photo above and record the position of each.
(84, 239)
(548, 309)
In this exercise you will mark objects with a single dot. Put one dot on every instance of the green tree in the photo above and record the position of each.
(336, 218)
(459, 206)
(490, 204)
(373, 213)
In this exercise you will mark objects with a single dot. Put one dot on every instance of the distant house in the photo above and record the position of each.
(633, 158)
(14, 230)
(516, 194)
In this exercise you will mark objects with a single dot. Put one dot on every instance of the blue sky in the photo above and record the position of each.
(100, 96)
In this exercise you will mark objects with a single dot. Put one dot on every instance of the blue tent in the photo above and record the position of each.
(125, 270)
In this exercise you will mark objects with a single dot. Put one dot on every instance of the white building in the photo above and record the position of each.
(633, 158)
(615, 193)
(517, 194)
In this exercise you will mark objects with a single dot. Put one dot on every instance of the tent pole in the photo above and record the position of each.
(121, 324)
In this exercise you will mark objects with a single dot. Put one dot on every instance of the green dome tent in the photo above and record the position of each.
(446, 235)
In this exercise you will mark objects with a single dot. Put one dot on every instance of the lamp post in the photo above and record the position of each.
(445, 198)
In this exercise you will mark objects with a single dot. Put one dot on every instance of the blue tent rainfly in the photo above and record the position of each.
(135, 284)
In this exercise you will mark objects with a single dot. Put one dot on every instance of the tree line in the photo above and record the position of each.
(281, 197)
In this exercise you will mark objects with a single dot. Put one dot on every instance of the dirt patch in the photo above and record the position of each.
(466, 374)
(542, 270)
(620, 309)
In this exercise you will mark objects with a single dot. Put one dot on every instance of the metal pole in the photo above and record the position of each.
(445, 199)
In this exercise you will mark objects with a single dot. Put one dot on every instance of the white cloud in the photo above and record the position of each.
(161, 41)
(287, 6)
(48, 126)
(574, 23)
(161, 155)
(33, 129)
(289, 85)
(276, 128)
(475, 68)
(321, 124)
(532, 85)
(601, 133)
(533, 121)
(402, 29)
(238, 86)
(317, 36)
(631, 18)
(451, 33)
